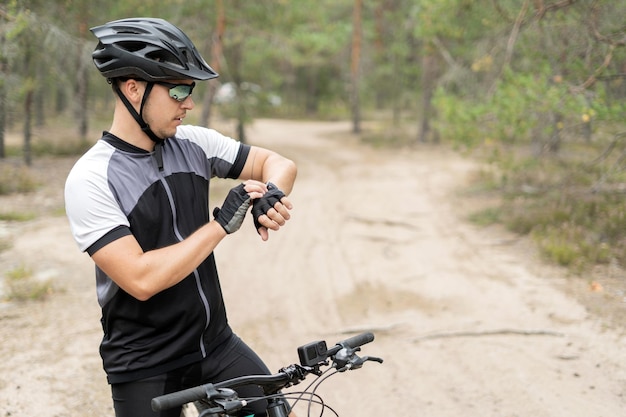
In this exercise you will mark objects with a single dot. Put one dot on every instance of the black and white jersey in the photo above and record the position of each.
(117, 189)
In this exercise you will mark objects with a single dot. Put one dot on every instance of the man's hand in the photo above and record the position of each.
(230, 216)
(271, 211)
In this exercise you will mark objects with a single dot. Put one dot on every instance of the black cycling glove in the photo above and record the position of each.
(262, 205)
(234, 209)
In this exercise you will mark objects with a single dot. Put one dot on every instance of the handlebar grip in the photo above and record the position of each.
(358, 340)
(176, 399)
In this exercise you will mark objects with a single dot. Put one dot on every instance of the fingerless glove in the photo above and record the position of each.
(262, 205)
(230, 216)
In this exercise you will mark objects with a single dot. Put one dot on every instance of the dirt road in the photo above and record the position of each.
(469, 322)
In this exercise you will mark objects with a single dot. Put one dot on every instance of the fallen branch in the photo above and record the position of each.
(500, 332)
(374, 329)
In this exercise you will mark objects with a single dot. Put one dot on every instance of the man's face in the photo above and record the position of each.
(165, 113)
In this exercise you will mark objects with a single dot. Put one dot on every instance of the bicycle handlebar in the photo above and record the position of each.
(353, 342)
(284, 378)
(179, 398)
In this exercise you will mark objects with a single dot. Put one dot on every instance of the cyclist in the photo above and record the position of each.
(137, 203)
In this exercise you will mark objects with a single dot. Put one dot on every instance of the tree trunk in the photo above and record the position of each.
(2, 119)
(554, 142)
(355, 66)
(312, 99)
(429, 78)
(39, 104)
(81, 87)
(216, 57)
(28, 105)
(3, 95)
(240, 99)
(28, 109)
(82, 80)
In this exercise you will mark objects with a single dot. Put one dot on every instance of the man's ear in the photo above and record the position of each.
(133, 90)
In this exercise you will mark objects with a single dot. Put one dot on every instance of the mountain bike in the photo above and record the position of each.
(221, 400)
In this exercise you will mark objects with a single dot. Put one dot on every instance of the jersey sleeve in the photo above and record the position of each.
(228, 156)
(91, 207)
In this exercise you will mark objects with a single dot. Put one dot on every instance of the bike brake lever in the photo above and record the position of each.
(231, 406)
(357, 362)
(347, 359)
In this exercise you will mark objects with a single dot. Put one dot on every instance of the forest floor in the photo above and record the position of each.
(469, 320)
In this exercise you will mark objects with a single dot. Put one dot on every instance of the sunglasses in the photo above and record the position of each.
(178, 92)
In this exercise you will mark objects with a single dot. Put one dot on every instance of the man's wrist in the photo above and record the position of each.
(216, 228)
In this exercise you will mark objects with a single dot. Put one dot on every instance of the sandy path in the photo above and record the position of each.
(467, 320)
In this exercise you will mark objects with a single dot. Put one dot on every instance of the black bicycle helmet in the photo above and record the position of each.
(147, 48)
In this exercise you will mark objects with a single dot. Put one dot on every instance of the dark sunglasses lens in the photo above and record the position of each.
(181, 92)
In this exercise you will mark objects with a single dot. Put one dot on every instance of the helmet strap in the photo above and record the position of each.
(158, 148)
(139, 116)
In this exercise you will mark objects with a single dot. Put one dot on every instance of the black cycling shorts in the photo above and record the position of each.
(234, 358)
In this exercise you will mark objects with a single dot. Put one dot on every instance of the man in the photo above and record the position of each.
(137, 203)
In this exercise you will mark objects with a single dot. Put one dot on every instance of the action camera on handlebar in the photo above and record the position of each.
(313, 353)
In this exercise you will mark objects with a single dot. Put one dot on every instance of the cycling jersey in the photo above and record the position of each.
(117, 189)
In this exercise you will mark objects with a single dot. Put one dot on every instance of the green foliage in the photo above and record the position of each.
(524, 108)
(460, 120)
(461, 21)
(535, 104)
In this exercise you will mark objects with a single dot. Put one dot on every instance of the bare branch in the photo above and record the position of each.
(446, 55)
(511, 42)
(514, 33)
(594, 77)
(5, 15)
(541, 9)
(592, 24)
(501, 332)
(602, 157)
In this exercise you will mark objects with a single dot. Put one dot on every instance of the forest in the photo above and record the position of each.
(534, 87)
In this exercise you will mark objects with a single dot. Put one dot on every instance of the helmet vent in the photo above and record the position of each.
(163, 56)
(132, 46)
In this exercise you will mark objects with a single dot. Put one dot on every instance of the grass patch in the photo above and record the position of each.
(17, 216)
(58, 212)
(67, 148)
(382, 134)
(51, 148)
(486, 217)
(21, 285)
(570, 245)
(574, 210)
(390, 139)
